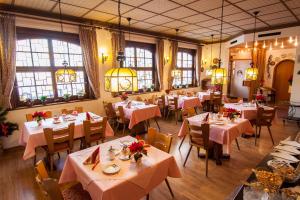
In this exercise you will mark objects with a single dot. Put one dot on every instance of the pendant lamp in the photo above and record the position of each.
(219, 75)
(65, 75)
(210, 69)
(120, 79)
(251, 73)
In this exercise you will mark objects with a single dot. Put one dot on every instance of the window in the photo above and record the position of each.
(186, 64)
(140, 56)
(37, 60)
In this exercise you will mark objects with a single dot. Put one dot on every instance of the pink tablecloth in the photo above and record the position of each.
(222, 134)
(139, 112)
(32, 135)
(185, 101)
(247, 110)
(132, 182)
(204, 96)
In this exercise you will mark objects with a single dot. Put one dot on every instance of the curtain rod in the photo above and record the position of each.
(68, 22)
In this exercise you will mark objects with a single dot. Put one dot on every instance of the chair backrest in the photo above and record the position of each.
(199, 135)
(66, 111)
(110, 111)
(29, 117)
(92, 128)
(161, 101)
(173, 102)
(121, 114)
(188, 112)
(54, 137)
(79, 109)
(264, 115)
(159, 140)
(41, 170)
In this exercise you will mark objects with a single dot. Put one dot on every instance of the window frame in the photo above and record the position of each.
(29, 33)
(193, 68)
(152, 49)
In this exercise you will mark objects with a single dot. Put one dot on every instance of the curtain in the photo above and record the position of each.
(198, 66)
(118, 44)
(173, 63)
(259, 59)
(88, 43)
(160, 61)
(7, 58)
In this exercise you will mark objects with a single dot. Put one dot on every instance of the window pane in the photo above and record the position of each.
(74, 49)
(129, 52)
(140, 53)
(148, 54)
(39, 45)
(140, 62)
(144, 79)
(75, 60)
(23, 45)
(23, 59)
(63, 89)
(59, 46)
(27, 93)
(25, 78)
(76, 88)
(60, 58)
(41, 59)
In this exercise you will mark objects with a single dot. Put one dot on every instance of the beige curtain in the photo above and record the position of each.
(88, 42)
(7, 58)
(117, 43)
(259, 59)
(160, 61)
(173, 63)
(198, 66)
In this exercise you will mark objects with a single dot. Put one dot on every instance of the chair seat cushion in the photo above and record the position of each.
(76, 192)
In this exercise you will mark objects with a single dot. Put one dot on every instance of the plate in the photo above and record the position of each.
(124, 157)
(126, 142)
(111, 169)
(219, 123)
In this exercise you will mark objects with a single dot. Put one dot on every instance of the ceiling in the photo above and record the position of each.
(195, 19)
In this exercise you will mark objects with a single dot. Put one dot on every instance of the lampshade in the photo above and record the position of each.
(219, 76)
(251, 73)
(176, 73)
(121, 80)
(65, 75)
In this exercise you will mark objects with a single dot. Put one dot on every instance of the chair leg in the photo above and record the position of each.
(255, 135)
(118, 124)
(198, 151)
(169, 187)
(181, 142)
(51, 163)
(167, 117)
(58, 155)
(206, 163)
(237, 144)
(187, 156)
(157, 124)
(176, 116)
(148, 196)
(270, 134)
(123, 129)
(259, 131)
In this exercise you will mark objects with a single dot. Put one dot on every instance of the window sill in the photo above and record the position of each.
(184, 88)
(51, 104)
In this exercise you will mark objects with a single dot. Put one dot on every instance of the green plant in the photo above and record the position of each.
(66, 96)
(6, 128)
(43, 99)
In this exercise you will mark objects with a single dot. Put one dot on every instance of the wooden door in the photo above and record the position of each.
(283, 71)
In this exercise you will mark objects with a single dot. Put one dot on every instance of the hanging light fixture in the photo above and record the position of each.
(119, 79)
(176, 73)
(264, 45)
(296, 42)
(282, 46)
(219, 75)
(276, 42)
(210, 69)
(64, 75)
(252, 72)
(291, 39)
(271, 48)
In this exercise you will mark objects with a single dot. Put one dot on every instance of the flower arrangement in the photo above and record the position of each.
(260, 97)
(137, 150)
(124, 96)
(232, 113)
(39, 116)
(6, 128)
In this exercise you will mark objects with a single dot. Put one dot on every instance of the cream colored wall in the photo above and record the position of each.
(278, 55)
(96, 106)
(295, 94)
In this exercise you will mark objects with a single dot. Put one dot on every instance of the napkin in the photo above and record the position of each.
(93, 158)
(206, 118)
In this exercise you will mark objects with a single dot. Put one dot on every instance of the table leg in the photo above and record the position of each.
(157, 123)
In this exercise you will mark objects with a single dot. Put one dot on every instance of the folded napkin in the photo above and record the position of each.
(94, 158)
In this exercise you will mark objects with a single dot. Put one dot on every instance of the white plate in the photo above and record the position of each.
(289, 149)
(111, 169)
(126, 142)
(291, 143)
(284, 156)
(219, 123)
(123, 157)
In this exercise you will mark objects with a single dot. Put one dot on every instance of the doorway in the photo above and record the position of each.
(282, 73)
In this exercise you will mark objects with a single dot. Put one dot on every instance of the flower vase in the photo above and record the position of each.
(232, 120)
(39, 122)
(139, 161)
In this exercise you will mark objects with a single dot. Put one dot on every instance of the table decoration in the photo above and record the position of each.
(124, 96)
(232, 114)
(38, 117)
(137, 150)
(111, 153)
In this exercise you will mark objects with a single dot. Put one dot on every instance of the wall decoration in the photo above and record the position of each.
(215, 61)
(269, 66)
(239, 73)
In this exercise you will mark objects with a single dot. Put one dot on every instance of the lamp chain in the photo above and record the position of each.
(221, 33)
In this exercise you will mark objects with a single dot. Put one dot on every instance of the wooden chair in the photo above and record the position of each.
(161, 102)
(94, 132)
(173, 107)
(186, 113)
(163, 142)
(79, 109)
(58, 141)
(110, 112)
(215, 102)
(54, 191)
(138, 98)
(264, 118)
(199, 137)
(121, 119)
(66, 111)
(29, 117)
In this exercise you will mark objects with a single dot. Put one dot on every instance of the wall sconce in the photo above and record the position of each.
(104, 55)
(166, 60)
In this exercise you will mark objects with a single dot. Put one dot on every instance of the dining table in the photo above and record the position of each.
(132, 181)
(185, 101)
(204, 96)
(138, 111)
(222, 130)
(32, 134)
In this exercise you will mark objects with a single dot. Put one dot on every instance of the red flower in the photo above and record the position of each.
(39, 115)
(136, 147)
(4, 129)
(124, 96)
(260, 97)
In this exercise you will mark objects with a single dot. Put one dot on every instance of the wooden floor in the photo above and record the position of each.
(17, 176)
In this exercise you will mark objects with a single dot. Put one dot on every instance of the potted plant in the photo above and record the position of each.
(187, 86)
(80, 94)
(6, 128)
(145, 88)
(43, 99)
(137, 150)
(152, 88)
(180, 86)
(28, 102)
(39, 117)
(66, 97)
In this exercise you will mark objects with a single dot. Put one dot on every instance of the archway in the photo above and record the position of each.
(283, 71)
